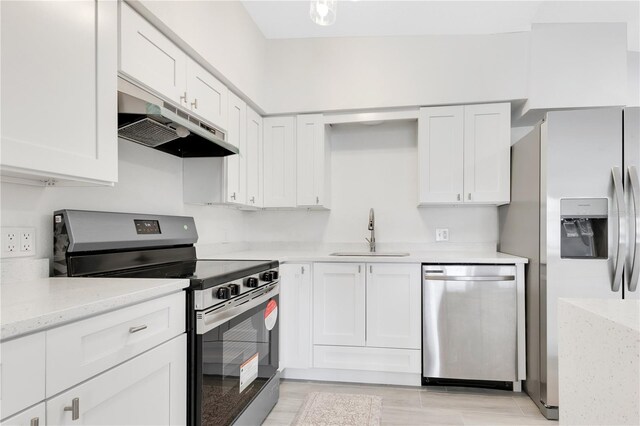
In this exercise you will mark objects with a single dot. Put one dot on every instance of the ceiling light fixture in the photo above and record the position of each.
(323, 12)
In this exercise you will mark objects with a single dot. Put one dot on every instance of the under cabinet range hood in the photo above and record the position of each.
(148, 120)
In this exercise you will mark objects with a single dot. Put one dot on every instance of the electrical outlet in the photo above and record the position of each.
(18, 242)
(442, 234)
(27, 237)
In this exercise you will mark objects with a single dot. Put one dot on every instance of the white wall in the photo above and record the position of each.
(221, 32)
(325, 74)
(375, 166)
(149, 182)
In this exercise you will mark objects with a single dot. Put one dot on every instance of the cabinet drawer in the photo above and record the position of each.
(34, 416)
(150, 389)
(22, 373)
(85, 348)
(363, 358)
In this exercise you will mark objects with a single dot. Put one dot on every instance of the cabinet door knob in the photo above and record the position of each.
(75, 408)
(458, 197)
(317, 200)
(302, 270)
(253, 200)
(194, 104)
(233, 196)
(359, 269)
(183, 98)
(371, 269)
(469, 196)
(35, 421)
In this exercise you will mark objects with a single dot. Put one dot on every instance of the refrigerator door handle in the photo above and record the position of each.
(622, 244)
(635, 241)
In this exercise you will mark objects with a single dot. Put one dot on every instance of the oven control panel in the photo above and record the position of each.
(204, 299)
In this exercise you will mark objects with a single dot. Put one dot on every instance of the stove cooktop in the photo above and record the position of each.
(203, 273)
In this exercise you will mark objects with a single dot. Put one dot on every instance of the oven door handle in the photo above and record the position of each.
(208, 320)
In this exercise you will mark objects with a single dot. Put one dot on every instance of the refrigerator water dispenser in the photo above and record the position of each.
(583, 228)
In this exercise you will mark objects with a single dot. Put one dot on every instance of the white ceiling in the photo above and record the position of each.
(290, 19)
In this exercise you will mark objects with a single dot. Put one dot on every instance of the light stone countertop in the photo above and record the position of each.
(599, 361)
(39, 304)
(295, 256)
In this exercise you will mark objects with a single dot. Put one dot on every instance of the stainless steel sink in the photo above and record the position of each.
(368, 253)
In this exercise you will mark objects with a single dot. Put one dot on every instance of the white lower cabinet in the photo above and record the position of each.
(368, 321)
(339, 304)
(394, 305)
(147, 390)
(295, 314)
(22, 371)
(34, 416)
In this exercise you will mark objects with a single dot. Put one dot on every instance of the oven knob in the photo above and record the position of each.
(223, 293)
(267, 276)
(274, 275)
(234, 288)
(251, 282)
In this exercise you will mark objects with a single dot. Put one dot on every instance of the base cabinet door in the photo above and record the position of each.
(393, 305)
(34, 416)
(339, 304)
(147, 390)
(295, 314)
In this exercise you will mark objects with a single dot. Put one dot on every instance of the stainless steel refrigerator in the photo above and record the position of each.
(574, 212)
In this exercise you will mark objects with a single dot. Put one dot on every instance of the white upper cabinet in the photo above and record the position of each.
(148, 57)
(313, 162)
(206, 95)
(487, 153)
(464, 154)
(236, 165)
(254, 159)
(339, 304)
(394, 305)
(441, 135)
(279, 162)
(59, 90)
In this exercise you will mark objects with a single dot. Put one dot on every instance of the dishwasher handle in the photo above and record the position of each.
(469, 278)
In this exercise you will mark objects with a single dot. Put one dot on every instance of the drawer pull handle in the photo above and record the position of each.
(75, 408)
(136, 329)
(35, 421)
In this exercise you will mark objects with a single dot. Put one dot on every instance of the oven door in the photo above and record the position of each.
(236, 355)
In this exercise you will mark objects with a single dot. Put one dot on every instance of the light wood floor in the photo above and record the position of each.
(420, 406)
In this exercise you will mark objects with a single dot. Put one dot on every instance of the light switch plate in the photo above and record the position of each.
(442, 234)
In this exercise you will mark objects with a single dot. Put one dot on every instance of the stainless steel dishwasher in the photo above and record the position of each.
(469, 324)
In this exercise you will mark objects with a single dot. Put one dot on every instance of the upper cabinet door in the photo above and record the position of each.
(394, 322)
(149, 57)
(313, 161)
(279, 165)
(59, 90)
(487, 153)
(236, 165)
(207, 96)
(440, 153)
(254, 159)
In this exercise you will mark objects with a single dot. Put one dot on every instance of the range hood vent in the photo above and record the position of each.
(148, 120)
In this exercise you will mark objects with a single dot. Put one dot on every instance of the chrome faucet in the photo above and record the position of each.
(371, 227)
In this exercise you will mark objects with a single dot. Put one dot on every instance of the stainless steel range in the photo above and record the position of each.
(232, 305)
